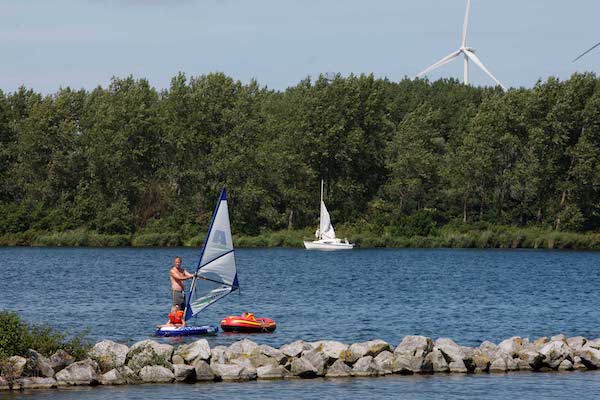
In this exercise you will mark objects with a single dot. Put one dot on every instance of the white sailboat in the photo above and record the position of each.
(325, 235)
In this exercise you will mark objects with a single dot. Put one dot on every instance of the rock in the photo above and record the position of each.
(303, 368)
(540, 342)
(481, 363)
(271, 372)
(418, 346)
(437, 360)
(37, 365)
(244, 346)
(184, 373)
(578, 364)
(590, 357)
(339, 369)
(498, 365)
(4, 385)
(371, 348)
(555, 352)
(177, 359)
(218, 354)
(296, 348)
(458, 367)
(331, 348)
(565, 365)
(149, 353)
(318, 359)
(60, 359)
(272, 352)
(109, 354)
(198, 349)
(118, 376)
(576, 342)
(37, 383)
(595, 344)
(511, 346)
(559, 338)
(451, 350)
(365, 366)
(204, 372)
(488, 349)
(156, 374)
(79, 373)
(384, 361)
(233, 372)
(14, 367)
(407, 364)
(531, 359)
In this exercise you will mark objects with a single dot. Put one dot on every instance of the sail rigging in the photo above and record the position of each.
(216, 273)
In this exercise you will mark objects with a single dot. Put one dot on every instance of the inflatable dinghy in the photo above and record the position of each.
(168, 331)
(247, 323)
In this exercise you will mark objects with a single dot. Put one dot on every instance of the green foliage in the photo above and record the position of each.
(127, 164)
(16, 337)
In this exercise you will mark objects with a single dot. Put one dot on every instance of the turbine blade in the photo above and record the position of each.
(477, 61)
(438, 64)
(466, 24)
(587, 51)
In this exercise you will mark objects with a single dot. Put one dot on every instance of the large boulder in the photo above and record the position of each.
(452, 351)
(384, 361)
(13, 367)
(406, 364)
(540, 342)
(243, 347)
(590, 357)
(36, 383)
(371, 348)
(565, 365)
(198, 349)
(330, 348)
(273, 353)
(503, 362)
(530, 359)
(37, 365)
(233, 372)
(184, 373)
(339, 369)
(296, 348)
(365, 366)
(437, 360)
(559, 338)
(269, 372)
(149, 353)
(576, 342)
(219, 354)
(318, 359)
(418, 346)
(109, 354)
(488, 349)
(555, 352)
(303, 368)
(480, 362)
(156, 374)
(79, 373)
(511, 346)
(60, 359)
(118, 376)
(595, 344)
(204, 372)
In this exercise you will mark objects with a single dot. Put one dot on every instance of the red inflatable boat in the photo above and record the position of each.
(247, 323)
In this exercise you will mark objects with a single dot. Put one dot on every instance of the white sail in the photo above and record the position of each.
(326, 228)
(216, 274)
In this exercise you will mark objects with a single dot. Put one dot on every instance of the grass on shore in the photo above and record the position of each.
(496, 237)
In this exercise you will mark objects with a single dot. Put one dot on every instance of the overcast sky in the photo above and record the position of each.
(49, 44)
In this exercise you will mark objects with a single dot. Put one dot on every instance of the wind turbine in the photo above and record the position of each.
(587, 51)
(467, 52)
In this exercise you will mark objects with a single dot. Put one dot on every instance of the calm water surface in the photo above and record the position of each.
(467, 295)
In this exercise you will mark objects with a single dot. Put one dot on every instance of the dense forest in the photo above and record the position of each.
(406, 158)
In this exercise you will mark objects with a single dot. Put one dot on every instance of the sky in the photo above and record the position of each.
(46, 45)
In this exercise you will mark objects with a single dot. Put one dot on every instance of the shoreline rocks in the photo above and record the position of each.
(149, 361)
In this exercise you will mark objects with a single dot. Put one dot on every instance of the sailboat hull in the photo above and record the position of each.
(328, 245)
(169, 331)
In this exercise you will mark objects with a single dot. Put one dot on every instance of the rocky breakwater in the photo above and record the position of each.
(148, 361)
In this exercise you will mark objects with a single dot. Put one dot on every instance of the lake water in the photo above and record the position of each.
(363, 294)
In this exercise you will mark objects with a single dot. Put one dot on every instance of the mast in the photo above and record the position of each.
(321, 212)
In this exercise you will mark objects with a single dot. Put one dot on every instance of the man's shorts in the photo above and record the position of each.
(178, 298)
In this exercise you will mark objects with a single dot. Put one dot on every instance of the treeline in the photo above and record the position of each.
(405, 158)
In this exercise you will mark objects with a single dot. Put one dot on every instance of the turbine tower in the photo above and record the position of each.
(467, 52)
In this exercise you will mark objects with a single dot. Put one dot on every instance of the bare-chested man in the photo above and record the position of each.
(178, 275)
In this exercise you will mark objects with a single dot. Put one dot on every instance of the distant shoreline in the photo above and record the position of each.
(497, 238)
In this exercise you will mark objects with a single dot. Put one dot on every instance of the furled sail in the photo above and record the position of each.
(326, 228)
(216, 274)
